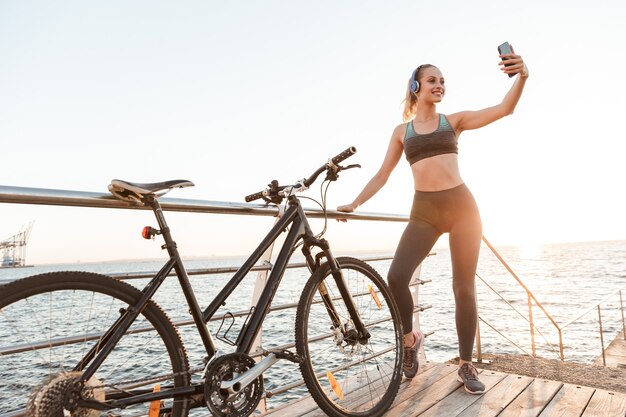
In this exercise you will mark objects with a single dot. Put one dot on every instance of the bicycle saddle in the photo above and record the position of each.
(139, 193)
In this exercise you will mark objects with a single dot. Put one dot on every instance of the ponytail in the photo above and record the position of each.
(410, 104)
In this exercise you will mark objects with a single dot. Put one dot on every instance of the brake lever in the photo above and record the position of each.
(333, 172)
(273, 193)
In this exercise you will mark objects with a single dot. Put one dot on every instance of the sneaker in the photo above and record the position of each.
(468, 375)
(410, 365)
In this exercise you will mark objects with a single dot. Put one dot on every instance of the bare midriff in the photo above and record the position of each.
(437, 173)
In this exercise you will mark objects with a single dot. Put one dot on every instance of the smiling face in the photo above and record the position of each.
(431, 90)
(432, 85)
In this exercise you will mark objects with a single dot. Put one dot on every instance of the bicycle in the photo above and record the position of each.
(347, 330)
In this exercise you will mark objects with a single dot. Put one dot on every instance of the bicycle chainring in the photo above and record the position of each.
(223, 403)
(50, 398)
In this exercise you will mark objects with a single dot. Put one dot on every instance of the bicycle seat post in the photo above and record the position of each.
(183, 277)
(170, 245)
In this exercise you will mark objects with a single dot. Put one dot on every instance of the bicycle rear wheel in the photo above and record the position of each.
(49, 322)
(346, 377)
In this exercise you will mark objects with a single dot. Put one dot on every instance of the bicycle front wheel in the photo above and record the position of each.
(347, 377)
(49, 322)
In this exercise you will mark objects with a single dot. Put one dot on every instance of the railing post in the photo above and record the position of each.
(621, 303)
(601, 336)
(416, 315)
(261, 280)
(532, 326)
(479, 348)
(529, 293)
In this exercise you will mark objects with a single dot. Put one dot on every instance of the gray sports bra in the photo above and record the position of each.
(418, 146)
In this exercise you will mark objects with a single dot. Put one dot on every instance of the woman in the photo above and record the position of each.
(442, 203)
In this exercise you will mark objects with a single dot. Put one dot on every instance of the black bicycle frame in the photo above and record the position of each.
(295, 216)
(293, 219)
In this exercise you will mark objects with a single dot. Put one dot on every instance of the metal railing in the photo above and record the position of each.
(51, 197)
(530, 320)
(598, 307)
(40, 196)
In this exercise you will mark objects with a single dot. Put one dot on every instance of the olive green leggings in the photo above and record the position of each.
(452, 211)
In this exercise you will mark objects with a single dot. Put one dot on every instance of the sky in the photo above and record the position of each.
(231, 95)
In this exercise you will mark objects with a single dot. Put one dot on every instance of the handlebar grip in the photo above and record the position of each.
(254, 196)
(344, 155)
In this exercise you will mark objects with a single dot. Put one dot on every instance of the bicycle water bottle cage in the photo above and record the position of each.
(140, 193)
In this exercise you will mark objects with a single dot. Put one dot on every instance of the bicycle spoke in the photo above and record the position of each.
(345, 376)
(57, 326)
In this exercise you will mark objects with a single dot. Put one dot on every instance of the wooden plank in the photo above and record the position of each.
(436, 392)
(615, 354)
(606, 404)
(426, 397)
(409, 387)
(533, 399)
(361, 396)
(459, 400)
(294, 408)
(570, 401)
(499, 397)
(429, 373)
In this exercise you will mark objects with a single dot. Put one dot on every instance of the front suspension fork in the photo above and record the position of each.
(314, 264)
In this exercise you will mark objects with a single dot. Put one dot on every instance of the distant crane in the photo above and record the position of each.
(13, 248)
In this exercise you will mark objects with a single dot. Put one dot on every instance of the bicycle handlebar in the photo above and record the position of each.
(344, 155)
(330, 165)
(273, 188)
(254, 196)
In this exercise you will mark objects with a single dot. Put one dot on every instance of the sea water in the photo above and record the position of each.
(568, 280)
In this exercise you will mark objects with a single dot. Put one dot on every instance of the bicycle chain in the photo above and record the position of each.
(153, 379)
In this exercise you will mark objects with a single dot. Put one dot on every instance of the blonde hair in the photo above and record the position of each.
(410, 99)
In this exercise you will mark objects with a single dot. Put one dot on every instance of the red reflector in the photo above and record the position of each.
(147, 232)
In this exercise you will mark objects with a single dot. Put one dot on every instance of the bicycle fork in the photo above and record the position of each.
(362, 334)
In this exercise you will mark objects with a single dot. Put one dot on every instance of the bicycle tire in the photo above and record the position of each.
(82, 305)
(327, 363)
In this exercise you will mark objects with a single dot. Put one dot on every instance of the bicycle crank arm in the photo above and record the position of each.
(245, 379)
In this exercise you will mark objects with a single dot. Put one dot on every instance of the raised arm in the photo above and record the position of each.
(394, 152)
(468, 120)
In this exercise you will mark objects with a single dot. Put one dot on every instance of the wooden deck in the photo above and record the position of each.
(436, 392)
(615, 354)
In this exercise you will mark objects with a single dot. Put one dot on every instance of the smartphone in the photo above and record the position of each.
(505, 48)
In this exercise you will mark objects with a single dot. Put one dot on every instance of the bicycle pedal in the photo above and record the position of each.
(285, 354)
